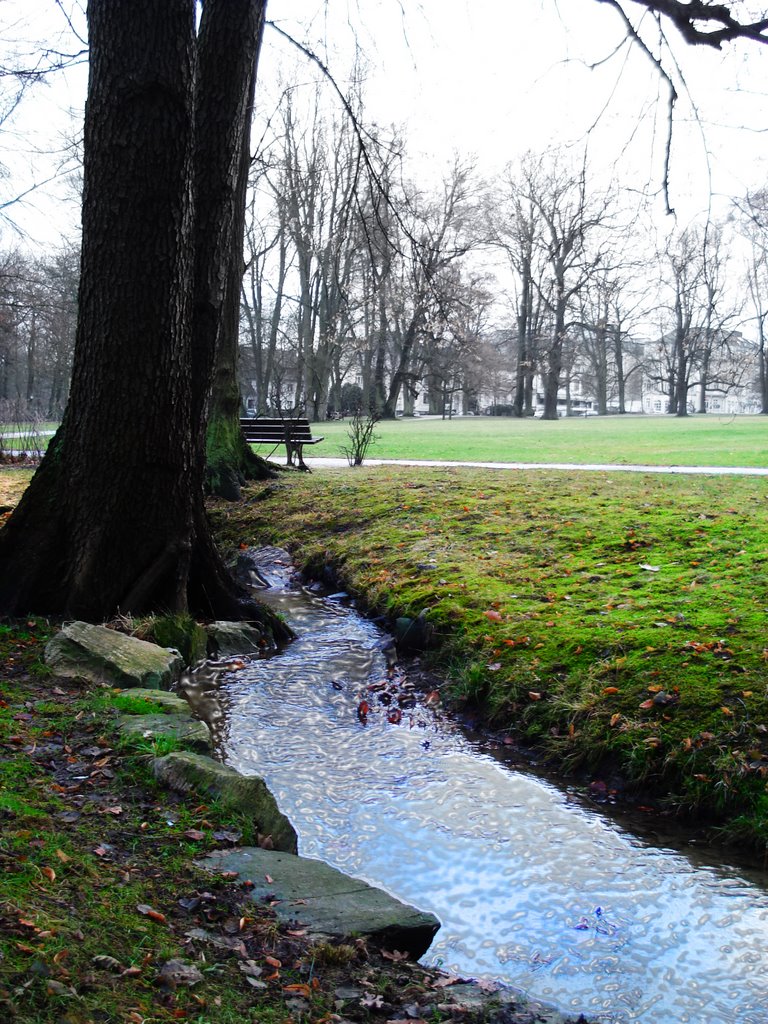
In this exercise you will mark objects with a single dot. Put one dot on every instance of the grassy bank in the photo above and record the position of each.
(653, 440)
(618, 622)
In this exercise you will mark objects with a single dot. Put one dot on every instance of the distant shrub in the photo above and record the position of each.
(500, 410)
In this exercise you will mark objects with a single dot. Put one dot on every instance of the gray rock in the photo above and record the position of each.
(188, 731)
(179, 972)
(171, 703)
(347, 992)
(229, 638)
(325, 901)
(502, 1005)
(412, 634)
(186, 772)
(84, 651)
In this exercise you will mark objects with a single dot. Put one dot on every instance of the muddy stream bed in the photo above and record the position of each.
(533, 889)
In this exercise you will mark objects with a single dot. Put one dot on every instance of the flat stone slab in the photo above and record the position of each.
(315, 896)
(188, 731)
(84, 651)
(186, 772)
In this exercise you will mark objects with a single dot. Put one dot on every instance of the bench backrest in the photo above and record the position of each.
(269, 430)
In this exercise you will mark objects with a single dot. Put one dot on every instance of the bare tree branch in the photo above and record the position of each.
(703, 23)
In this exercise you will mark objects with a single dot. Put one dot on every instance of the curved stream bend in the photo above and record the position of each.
(532, 890)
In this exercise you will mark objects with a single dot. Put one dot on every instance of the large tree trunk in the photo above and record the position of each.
(621, 380)
(555, 356)
(762, 367)
(228, 47)
(114, 519)
(125, 442)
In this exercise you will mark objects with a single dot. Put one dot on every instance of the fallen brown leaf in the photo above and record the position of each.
(151, 913)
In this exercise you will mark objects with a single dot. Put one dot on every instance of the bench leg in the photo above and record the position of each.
(296, 450)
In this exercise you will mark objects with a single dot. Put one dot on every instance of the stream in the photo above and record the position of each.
(533, 889)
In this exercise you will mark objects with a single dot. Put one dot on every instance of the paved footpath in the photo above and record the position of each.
(593, 467)
(28, 433)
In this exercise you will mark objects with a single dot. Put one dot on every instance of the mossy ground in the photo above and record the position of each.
(612, 619)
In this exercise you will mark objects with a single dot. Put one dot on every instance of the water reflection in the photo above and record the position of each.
(531, 889)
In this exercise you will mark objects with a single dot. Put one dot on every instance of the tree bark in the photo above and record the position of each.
(126, 427)
(114, 520)
(228, 46)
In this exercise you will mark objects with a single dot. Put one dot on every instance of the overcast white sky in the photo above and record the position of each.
(494, 79)
(485, 78)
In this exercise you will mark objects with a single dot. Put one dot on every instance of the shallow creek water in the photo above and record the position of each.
(532, 889)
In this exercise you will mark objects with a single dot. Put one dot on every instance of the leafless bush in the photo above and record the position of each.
(361, 437)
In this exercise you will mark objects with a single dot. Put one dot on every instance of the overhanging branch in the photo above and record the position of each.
(702, 23)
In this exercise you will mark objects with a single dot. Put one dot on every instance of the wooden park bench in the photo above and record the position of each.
(293, 433)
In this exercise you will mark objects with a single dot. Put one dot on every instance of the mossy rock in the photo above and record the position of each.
(187, 731)
(193, 773)
(170, 703)
(237, 638)
(184, 634)
(84, 651)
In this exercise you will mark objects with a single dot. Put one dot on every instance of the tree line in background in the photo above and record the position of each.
(38, 316)
(364, 289)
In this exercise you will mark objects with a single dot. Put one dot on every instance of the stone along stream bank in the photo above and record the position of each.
(531, 889)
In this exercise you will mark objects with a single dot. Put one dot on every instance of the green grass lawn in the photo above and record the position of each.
(648, 440)
(619, 621)
(652, 440)
(27, 428)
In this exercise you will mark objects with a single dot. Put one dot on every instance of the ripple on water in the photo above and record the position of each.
(531, 889)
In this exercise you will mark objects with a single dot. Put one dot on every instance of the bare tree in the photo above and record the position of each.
(514, 224)
(441, 230)
(319, 179)
(267, 264)
(450, 351)
(752, 220)
(698, 346)
(704, 22)
(37, 327)
(568, 215)
(609, 308)
(719, 364)
(26, 65)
